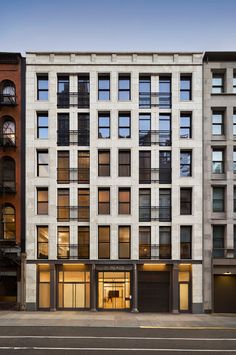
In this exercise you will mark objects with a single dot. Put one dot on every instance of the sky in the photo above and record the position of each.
(117, 25)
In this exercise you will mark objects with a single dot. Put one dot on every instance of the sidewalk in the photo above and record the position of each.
(117, 319)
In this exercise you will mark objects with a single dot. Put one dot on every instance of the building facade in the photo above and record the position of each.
(113, 181)
(219, 181)
(12, 86)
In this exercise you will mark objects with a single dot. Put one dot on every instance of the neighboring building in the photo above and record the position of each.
(219, 181)
(12, 193)
(113, 181)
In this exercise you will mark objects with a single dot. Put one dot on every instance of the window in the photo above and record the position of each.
(42, 242)
(63, 167)
(83, 129)
(124, 242)
(104, 125)
(234, 161)
(234, 122)
(63, 205)
(185, 242)
(218, 240)
(8, 174)
(164, 92)
(185, 200)
(104, 163)
(83, 90)
(124, 87)
(63, 87)
(185, 125)
(42, 87)
(9, 222)
(124, 125)
(144, 242)
(144, 205)
(165, 243)
(104, 87)
(104, 201)
(8, 134)
(124, 199)
(124, 163)
(144, 91)
(217, 83)
(42, 125)
(42, 163)
(234, 198)
(8, 93)
(63, 242)
(164, 205)
(144, 167)
(145, 129)
(83, 167)
(83, 242)
(63, 133)
(217, 123)
(185, 163)
(165, 167)
(217, 161)
(42, 200)
(218, 199)
(164, 130)
(83, 205)
(103, 242)
(185, 87)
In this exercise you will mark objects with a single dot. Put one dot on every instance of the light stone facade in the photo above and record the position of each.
(154, 64)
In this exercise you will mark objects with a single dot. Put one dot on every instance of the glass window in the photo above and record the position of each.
(104, 163)
(63, 87)
(104, 125)
(104, 201)
(83, 90)
(234, 123)
(218, 240)
(8, 175)
(234, 198)
(144, 242)
(234, 161)
(42, 125)
(124, 125)
(164, 167)
(145, 129)
(83, 205)
(165, 243)
(164, 205)
(124, 199)
(185, 87)
(83, 129)
(217, 161)
(42, 163)
(42, 87)
(83, 167)
(164, 129)
(63, 242)
(63, 167)
(164, 92)
(124, 242)
(217, 83)
(63, 132)
(42, 200)
(144, 167)
(104, 87)
(8, 93)
(9, 222)
(83, 242)
(185, 125)
(218, 199)
(103, 242)
(144, 205)
(144, 91)
(185, 242)
(234, 83)
(124, 163)
(124, 87)
(42, 240)
(63, 205)
(185, 163)
(185, 200)
(217, 123)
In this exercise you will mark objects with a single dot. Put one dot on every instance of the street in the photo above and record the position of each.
(104, 340)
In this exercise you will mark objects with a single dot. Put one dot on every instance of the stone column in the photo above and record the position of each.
(135, 290)
(175, 289)
(93, 288)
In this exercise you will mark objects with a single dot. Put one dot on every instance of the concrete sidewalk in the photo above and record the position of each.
(117, 319)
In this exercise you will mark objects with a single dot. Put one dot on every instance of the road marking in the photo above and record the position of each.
(113, 349)
(109, 337)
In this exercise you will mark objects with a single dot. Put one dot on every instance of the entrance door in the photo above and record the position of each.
(114, 290)
(225, 294)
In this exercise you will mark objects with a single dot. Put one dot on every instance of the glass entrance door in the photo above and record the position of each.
(114, 290)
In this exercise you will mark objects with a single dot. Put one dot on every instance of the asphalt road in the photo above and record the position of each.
(117, 341)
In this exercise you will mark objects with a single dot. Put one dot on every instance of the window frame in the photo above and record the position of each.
(38, 190)
(126, 203)
(215, 200)
(108, 165)
(42, 77)
(216, 124)
(104, 205)
(120, 127)
(103, 77)
(221, 162)
(127, 76)
(39, 165)
(39, 243)
(126, 242)
(185, 202)
(189, 243)
(186, 77)
(121, 165)
(182, 165)
(215, 87)
(104, 242)
(107, 127)
(186, 127)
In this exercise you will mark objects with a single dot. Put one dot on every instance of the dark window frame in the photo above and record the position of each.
(42, 151)
(186, 77)
(104, 242)
(106, 204)
(120, 127)
(121, 243)
(42, 243)
(86, 246)
(184, 165)
(219, 200)
(217, 89)
(102, 77)
(221, 162)
(217, 124)
(106, 127)
(121, 77)
(186, 127)
(125, 165)
(185, 244)
(40, 189)
(107, 165)
(126, 203)
(44, 78)
(186, 204)
(40, 127)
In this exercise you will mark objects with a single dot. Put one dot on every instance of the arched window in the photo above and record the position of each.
(9, 222)
(8, 92)
(8, 132)
(8, 174)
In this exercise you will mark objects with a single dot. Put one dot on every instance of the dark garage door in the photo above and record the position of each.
(225, 294)
(153, 291)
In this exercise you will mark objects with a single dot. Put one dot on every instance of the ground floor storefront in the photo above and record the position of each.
(102, 286)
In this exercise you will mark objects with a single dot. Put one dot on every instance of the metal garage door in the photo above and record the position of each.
(225, 294)
(153, 291)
